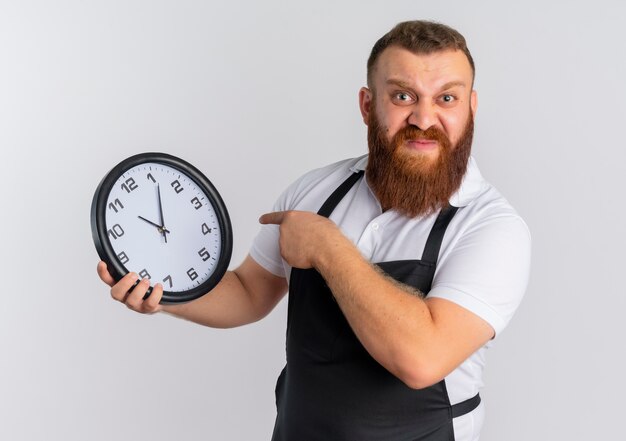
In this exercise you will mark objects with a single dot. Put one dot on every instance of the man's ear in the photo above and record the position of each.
(365, 103)
(474, 102)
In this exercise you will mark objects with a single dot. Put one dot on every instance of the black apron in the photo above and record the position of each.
(331, 388)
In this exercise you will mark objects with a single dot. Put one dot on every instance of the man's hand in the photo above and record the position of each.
(134, 299)
(243, 296)
(304, 236)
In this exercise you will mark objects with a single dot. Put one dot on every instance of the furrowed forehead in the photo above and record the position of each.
(375, 67)
(442, 69)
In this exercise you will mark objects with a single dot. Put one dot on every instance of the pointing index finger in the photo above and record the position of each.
(272, 218)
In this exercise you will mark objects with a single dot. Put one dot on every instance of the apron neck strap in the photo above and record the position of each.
(339, 193)
(433, 244)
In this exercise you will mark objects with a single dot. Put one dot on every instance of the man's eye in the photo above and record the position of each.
(403, 97)
(448, 98)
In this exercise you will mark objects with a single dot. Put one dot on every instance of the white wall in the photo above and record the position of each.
(256, 93)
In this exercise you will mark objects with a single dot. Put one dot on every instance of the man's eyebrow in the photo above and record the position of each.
(452, 84)
(405, 85)
(399, 83)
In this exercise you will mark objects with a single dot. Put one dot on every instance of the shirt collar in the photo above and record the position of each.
(472, 185)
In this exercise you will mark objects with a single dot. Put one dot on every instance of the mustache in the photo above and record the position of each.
(413, 133)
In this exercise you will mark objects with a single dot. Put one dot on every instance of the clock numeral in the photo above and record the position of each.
(116, 231)
(151, 177)
(204, 254)
(193, 275)
(144, 274)
(168, 279)
(123, 258)
(196, 203)
(113, 204)
(129, 185)
(205, 229)
(176, 186)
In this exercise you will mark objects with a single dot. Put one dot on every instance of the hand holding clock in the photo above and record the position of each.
(131, 292)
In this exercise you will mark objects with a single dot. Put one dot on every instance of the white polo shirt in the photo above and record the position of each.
(483, 264)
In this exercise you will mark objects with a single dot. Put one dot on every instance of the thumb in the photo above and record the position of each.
(104, 274)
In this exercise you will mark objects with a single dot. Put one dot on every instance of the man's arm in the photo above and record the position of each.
(243, 296)
(419, 341)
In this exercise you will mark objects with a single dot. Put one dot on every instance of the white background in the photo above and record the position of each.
(255, 94)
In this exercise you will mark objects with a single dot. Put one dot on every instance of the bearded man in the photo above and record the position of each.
(402, 265)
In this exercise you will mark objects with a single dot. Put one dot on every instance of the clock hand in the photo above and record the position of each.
(161, 228)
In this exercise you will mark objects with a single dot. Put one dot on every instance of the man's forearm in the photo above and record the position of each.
(243, 296)
(392, 324)
(391, 320)
(418, 340)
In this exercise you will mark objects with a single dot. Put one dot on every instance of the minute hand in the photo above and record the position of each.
(163, 229)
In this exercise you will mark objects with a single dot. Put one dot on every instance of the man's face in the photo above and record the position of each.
(420, 124)
(424, 91)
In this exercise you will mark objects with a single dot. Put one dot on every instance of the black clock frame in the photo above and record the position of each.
(103, 244)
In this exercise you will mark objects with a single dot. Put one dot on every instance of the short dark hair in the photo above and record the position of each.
(419, 37)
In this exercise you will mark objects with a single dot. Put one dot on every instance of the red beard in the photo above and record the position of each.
(413, 184)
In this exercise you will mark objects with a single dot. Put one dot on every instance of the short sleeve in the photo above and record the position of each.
(487, 268)
(265, 248)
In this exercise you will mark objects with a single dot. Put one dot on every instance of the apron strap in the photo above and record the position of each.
(433, 244)
(466, 406)
(339, 193)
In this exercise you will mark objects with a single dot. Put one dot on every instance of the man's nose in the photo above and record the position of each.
(423, 116)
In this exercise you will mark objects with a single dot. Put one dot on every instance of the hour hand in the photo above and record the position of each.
(161, 228)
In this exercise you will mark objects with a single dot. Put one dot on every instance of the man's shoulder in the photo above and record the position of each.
(334, 170)
(306, 192)
(490, 214)
(483, 206)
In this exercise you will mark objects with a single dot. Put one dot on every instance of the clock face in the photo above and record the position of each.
(166, 224)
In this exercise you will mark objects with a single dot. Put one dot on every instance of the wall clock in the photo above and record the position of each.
(158, 216)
